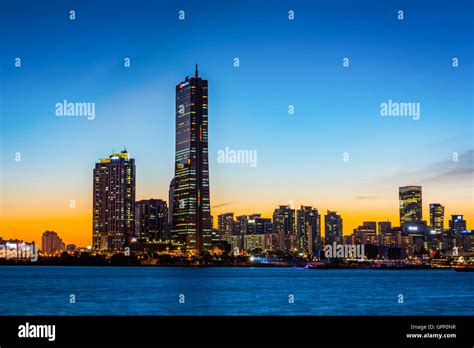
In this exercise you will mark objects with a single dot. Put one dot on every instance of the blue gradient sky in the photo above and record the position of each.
(283, 62)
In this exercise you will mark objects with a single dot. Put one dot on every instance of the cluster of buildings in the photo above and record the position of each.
(186, 221)
(184, 224)
(51, 245)
(17, 249)
(298, 231)
(119, 221)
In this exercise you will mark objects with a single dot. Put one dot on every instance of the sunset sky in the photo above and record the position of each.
(282, 63)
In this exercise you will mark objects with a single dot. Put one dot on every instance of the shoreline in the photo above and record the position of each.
(331, 267)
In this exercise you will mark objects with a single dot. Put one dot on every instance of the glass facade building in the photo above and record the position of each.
(151, 216)
(437, 217)
(410, 204)
(191, 204)
(457, 224)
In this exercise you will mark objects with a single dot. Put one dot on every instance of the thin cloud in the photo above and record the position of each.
(448, 170)
(368, 198)
(221, 205)
(460, 170)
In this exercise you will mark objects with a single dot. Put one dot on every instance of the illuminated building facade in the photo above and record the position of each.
(191, 204)
(262, 225)
(284, 227)
(52, 244)
(437, 217)
(151, 216)
(366, 234)
(170, 202)
(385, 235)
(384, 227)
(262, 242)
(410, 204)
(457, 224)
(309, 229)
(225, 223)
(17, 249)
(333, 227)
(113, 202)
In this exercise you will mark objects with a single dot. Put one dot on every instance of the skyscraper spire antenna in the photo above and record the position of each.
(196, 70)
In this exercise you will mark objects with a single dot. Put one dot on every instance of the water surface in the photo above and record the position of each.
(46, 290)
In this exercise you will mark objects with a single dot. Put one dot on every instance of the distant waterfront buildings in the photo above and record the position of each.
(71, 248)
(384, 227)
(17, 249)
(191, 203)
(225, 223)
(366, 233)
(262, 242)
(410, 200)
(284, 227)
(333, 227)
(113, 202)
(262, 225)
(52, 244)
(437, 217)
(256, 224)
(119, 220)
(457, 224)
(308, 229)
(385, 235)
(241, 225)
(249, 232)
(151, 219)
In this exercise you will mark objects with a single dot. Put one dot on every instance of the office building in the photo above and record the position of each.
(191, 204)
(410, 204)
(437, 217)
(151, 219)
(457, 224)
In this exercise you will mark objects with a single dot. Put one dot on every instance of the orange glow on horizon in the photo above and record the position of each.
(78, 229)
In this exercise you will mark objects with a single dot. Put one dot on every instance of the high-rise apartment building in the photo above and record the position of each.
(113, 202)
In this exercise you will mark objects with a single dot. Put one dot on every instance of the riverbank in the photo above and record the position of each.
(303, 265)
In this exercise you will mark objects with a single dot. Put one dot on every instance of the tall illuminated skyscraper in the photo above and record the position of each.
(410, 204)
(437, 217)
(113, 202)
(191, 204)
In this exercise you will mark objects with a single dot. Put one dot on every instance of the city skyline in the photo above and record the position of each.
(300, 156)
(440, 218)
